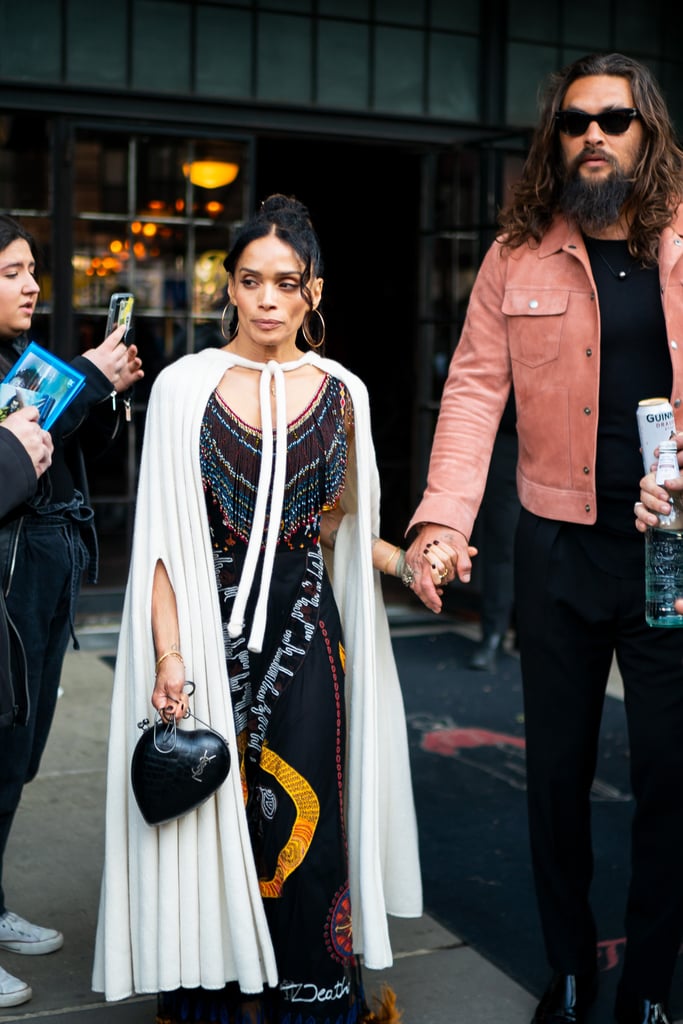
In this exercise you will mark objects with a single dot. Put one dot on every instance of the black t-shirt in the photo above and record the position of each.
(634, 364)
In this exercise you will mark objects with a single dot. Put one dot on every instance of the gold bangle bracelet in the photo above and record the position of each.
(168, 654)
(391, 557)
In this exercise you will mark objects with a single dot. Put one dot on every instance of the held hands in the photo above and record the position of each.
(120, 363)
(436, 555)
(38, 443)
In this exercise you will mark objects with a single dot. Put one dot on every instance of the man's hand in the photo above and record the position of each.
(655, 499)
(117, 361)
(38, 444)
(436, 555)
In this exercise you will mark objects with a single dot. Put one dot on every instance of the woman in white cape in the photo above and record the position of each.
(260, 904)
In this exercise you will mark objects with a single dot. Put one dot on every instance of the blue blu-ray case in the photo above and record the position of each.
(42, 379)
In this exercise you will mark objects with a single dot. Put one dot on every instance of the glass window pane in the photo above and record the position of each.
(101, 174)
(219, 180)
(406, 12)
(223, 52)
(161, 51)
(284, 58)
(528, 67)
(453, 76)
(587, 23)
(160, 181)
(347, 8)
(24, 162)
(343, 64)
(398, 70)
(534, 19)
(38, 27)
(446, 14)
(302, 6)
(96, 51)
(457, 189)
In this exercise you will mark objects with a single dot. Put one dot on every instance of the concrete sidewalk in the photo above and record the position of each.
(53, 870)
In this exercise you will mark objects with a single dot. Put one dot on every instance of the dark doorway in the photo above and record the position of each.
(364, 202)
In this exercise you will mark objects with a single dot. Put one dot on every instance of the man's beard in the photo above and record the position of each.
(594, 205)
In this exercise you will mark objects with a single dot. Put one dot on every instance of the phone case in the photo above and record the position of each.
(120, 312)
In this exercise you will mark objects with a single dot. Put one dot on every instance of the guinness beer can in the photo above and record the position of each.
(655, 423)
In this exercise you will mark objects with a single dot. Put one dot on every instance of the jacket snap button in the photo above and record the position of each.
(587, 411)
(589, 351)
(587, 508)
(586, 469)
(533, 304)
(677, 403)
(674, 344)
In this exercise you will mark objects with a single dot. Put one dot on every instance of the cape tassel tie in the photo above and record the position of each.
(272, 474)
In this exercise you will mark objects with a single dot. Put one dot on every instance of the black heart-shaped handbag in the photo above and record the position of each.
(175, 770)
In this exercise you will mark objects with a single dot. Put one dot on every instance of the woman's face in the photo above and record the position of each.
(266, 289)
(18, 289)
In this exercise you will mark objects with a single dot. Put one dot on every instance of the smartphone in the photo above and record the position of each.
(120, 312)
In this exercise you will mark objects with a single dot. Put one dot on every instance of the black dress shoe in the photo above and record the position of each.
(640, 1011)
(486, 655)
(567, 999)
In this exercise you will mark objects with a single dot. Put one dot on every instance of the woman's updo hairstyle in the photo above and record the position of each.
(289, 220)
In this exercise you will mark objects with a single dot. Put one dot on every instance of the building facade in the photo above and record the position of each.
(400, 124)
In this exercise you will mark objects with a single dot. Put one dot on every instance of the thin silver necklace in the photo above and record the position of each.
(620, 275)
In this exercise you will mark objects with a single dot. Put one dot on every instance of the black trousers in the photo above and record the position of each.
(572, 616)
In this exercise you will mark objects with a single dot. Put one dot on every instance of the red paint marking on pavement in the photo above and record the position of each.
(449, 741)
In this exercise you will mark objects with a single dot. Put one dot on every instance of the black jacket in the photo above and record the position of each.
(17, 483)
(93, 405)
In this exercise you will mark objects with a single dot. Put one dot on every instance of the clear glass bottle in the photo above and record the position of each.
(664, 550)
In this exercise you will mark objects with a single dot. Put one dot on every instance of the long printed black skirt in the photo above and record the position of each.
(289, 713)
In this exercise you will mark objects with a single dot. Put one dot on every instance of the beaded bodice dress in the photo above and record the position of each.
(316, 468)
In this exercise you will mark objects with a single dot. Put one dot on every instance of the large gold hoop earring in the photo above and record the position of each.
(234, 328)
(306, 329)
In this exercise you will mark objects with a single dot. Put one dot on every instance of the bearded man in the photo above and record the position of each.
(579, 306)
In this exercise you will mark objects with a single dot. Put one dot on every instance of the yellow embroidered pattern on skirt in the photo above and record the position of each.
(303, 830)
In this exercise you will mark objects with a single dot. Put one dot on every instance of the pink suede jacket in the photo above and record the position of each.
(533, 320)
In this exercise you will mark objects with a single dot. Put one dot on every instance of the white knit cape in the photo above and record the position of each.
(180, 903)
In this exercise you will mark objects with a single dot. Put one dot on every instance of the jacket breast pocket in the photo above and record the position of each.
(535, 318)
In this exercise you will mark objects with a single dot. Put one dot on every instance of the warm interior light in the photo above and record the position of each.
(211, 173)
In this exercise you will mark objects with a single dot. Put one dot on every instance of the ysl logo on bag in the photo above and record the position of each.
(198, 771)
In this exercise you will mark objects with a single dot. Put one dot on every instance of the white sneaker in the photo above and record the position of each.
(19, 936)
(12, 990)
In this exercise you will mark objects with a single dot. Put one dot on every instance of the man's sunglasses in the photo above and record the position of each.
(611, 122)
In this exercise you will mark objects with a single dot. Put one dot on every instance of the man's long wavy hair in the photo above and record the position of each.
(657, 181)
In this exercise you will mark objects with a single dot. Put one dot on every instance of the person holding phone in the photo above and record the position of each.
(46, 543)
